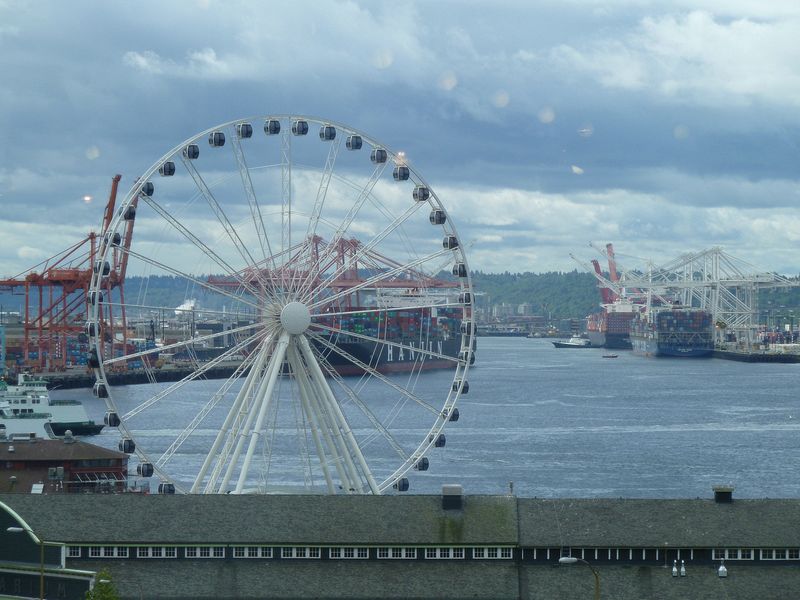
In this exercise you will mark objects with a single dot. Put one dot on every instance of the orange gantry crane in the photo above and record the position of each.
(56, 298)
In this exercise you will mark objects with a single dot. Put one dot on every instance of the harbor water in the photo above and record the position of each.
(571, 423)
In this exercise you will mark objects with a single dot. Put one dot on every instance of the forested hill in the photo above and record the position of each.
(559, 294)
(571, 294)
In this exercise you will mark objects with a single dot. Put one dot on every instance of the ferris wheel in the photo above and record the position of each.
(325, 329)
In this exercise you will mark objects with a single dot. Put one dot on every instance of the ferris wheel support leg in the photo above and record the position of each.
(251, 408)
(302, 383)
(266, 397)
(334, 442)
(232, 414)
(337, 413)
(352, 481)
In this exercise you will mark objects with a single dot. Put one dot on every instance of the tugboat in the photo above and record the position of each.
(28, 408)
(575, 341)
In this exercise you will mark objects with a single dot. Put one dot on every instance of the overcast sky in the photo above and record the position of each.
(663, 127)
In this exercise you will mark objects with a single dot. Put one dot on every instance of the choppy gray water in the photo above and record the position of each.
(570, 423)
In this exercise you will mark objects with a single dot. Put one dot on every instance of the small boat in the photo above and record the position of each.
(610, 355)
(575, 341)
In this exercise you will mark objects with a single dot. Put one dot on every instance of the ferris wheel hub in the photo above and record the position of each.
(295, 318)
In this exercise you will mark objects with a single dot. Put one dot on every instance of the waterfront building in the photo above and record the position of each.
(33, 465)
(448, 546)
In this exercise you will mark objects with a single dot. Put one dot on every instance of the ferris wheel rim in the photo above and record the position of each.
(462, 367)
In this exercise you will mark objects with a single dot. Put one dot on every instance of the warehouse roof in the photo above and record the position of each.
(655, 523)
(284, 519)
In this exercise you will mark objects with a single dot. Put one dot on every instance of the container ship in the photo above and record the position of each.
(611, 327)
(684, 332)
(420, 332)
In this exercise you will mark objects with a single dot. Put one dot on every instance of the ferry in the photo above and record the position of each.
(28, 408)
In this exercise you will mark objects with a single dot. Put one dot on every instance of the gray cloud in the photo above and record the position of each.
(662, 126)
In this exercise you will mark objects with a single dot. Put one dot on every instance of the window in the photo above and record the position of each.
(266, 552)
(238, 552)
(491, 553)
(74, 552)
(191, 553)
(170, 552)
(252, 552)
(746, 554)
(156, 552)
(219, 551)
(479, 553)
(458, 553)
(506, 552)
(410, 553)
(94, 551)
(335, 553)
(430, 552)
(384, 553)
(349, 552)
(363, 552)
(767, 555)
(717, 554)
(108, 551)
(794, 553)
(780, 554)
(300, 552)
(205, 551)
(397, 553)
(122, 551)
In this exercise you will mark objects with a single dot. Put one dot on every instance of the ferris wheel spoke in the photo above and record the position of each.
(252, 199)
(412, 350)
(204, 284)
(344, 426)
(181, 344)
(374, 373)
(380, 277)
(169, 309)
(233, 350)
(204, 412)
(362, 249)
(219, 213)
(354, 312)
(180, 228)
(286, 197)
(364, 408)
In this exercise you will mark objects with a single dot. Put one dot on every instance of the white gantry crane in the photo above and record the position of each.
(711, 279)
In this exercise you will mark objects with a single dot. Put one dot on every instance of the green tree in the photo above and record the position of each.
(104, 588)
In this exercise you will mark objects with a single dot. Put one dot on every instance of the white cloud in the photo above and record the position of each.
(698, 56)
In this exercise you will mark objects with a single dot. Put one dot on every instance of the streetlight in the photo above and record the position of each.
(571, 560)
(39, 541)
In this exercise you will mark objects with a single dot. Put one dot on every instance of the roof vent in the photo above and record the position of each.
(11, 448)
(68, 439)
(723, 494)
(452, 496)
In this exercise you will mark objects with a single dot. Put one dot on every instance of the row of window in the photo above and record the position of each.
(355, 552)
(749, 554)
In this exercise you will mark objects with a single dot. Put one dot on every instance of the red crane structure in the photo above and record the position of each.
(337, 266)
(56, 297)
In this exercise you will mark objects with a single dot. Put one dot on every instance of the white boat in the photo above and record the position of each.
(28, 408)
(575, 341)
